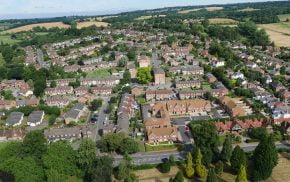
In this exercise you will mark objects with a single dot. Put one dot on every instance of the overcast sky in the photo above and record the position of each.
(43, 8)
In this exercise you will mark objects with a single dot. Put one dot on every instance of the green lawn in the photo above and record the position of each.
(3, 145)
(205, 85)
(7, 39)
(150, 148)
(221, 139)
(99, 73)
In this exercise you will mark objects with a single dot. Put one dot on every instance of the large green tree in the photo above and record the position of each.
(189, 170)
(102, 172)
(226, 152)
(265, 158)
(86, 154)
(211, 177)
(144, 75)
(34, 144)
(238, 158)
(61, 156)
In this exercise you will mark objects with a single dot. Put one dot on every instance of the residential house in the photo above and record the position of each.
(35, 118)
(144, 61)
(62, 90)
(57, 101)
(14, 119)
(159, 76)
(12, 134)
(188, 84)
(158, 95)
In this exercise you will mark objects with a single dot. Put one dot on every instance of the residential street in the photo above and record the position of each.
(156, 157)
(40, 59)
(102, 116)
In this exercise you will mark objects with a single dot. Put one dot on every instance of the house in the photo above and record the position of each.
(132, 69)
(159, 76)
(125, 111)
(217, 63)
(192, 70)
(72, 68)
(71, 133)
(210, 78)
(232, 106)
(284, 94)
(188, 84)
(75, 113)
(166, 134)
(101, 90)
(107, 81)
(136, 91)
(281, 112)
(158, 95)
(60, 82)
(57, 101)
(12, 134)
(237, 75)
(35, 118)
(14, 119)
(144, 61)
(80, 91)
(7, 104)
(61, 90)
(191, 94)
(240, 126)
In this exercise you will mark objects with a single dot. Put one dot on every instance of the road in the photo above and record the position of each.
(156, 62)
(102, 115)
(156, 157)
(40, 59)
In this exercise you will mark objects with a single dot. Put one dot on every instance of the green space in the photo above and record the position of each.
(6, 39)
(99, 73)
(151, 148)
(205, 85)
(284, 17)
(3, 145)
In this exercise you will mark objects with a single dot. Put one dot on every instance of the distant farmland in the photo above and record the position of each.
(278, 32)
(213, 8)
(56, 24)
(224, 21)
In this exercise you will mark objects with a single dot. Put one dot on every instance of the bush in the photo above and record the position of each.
(219, 167)
(165, 166)
(201, 171)
(258, 133)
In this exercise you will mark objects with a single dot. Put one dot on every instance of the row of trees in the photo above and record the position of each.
(264, 158)
(36, 160)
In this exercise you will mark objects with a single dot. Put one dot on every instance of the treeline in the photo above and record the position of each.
(36, 160)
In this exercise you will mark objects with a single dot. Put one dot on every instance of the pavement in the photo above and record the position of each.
(156, 157)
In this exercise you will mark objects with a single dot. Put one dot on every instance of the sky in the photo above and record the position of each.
(52, 8)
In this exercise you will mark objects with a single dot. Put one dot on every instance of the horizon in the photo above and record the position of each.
(31, 9)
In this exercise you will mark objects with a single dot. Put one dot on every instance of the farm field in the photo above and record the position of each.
(222, 21)
(90, 23)
(213, 8)
(284, 17)
(278, 32)
(30, 27)
(248, 10)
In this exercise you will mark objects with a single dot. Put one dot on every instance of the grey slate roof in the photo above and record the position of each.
(14, 118)
(35, 116)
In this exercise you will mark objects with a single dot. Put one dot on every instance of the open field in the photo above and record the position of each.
(222, 21)
(90, 23)
(214, 8)
(284, 17)
(281, 172)
(98, 73)
(153, 175)
(148, 17)
(248, 9)
(30, 27)
(188, 11)
(7, 39)
(278, 32)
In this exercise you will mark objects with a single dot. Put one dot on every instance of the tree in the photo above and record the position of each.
(178, 177)
(199, 167)
(7, 94)
(96, 104)
(53, 175)
(206, 139)
(165, 166)
(86, 154)
(128, 146)
(61, 156)
(258, 133)
(211, 177)
(144, 75)
(126, 77)
(34, 144)
(242, 175)
(124, 171)
(102, 172)
(227, 150)
(23, 169)
(219, 167)
(238, 158)
(265, 158)
(189, 170)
